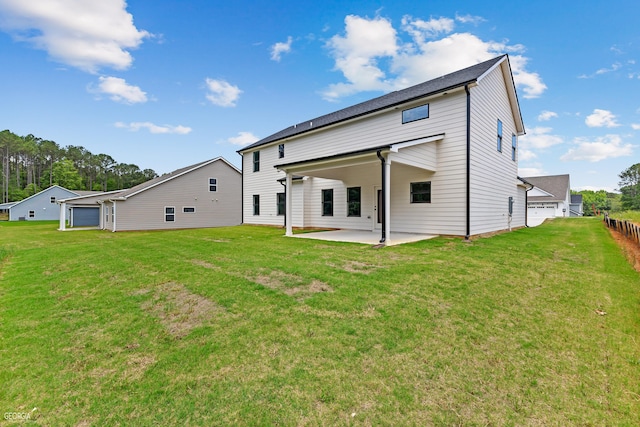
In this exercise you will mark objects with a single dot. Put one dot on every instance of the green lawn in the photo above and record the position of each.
(242, 326)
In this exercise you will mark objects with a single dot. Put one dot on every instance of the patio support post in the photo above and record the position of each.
(63, 211)
(387, 200)
(288, 196)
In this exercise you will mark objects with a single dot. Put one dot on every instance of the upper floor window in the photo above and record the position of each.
(327, 202)
(280, 151)
(189, 209)
(213, 184)
(256, 161)
(416, 113)
(421, 192)
(499, 136)
(353, 201)
(514, 146)
(53, 199)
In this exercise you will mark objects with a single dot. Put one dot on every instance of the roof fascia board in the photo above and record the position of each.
(330, 159)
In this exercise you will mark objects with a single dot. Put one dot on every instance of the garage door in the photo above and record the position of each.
(85, 217)
(542, 210)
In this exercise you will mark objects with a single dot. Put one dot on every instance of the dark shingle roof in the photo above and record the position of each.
(576, 198)
(558, 185)
(440, 84)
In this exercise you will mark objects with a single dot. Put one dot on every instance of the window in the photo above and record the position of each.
(256, 161)
(499, 136)
(416, 113)
(189, 209)
(421, 192)
(32, 214)
(280, 151)
(106, 215)
(353, 201)
(514, 146)
(213, 184)
(256, 204)
(169, 214)
(281, 201)
(53, 199)
(327, 202)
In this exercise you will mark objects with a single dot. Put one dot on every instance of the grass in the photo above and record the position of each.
(241, 326)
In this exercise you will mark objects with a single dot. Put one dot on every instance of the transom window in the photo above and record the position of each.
(421, 192)
(353, 201)
(256, 204)
(281, 201)
(256, 161)
(416, 113)
(499, 135)
(169, 213)
(327, 202)
(280, 151)
(189, 209)
(213, 184)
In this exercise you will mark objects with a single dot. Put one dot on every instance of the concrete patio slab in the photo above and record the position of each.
(364, 237)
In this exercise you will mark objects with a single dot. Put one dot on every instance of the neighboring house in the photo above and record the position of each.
(550, 198)
(207, 194)
(436, 158)
(575, 207)
(39, 207)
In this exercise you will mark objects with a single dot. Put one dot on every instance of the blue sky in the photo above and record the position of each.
(166, 84)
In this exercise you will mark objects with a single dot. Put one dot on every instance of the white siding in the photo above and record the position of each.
(493, 173)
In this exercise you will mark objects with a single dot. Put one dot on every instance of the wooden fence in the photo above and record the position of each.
(628, 229)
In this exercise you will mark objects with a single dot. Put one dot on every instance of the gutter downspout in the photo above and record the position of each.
(384, 198)
(468, 195)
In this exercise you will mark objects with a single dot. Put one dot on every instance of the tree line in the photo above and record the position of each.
(30, 164)
(597, 202)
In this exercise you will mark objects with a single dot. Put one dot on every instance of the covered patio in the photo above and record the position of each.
(363, 236)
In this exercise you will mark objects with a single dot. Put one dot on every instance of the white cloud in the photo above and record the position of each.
(372, 56)
(524, 155)
(539, 138)
(279, 48)
(222, 93)
(614, 67)
(532, 171)
(84, 34)
(153, 128)
(469, 19)
(635, 126)
(119, 91)
(243, 138)
(606, 147)
(546, 116)
(601, 118)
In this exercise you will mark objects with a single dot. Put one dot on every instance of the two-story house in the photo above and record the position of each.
(436, 158)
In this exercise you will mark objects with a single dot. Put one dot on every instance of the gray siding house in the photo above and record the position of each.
(207, 194)
(41, 206)
(440, 157)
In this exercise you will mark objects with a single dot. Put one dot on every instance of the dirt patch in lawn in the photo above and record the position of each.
(630, 248)
(180, 310)
(204, 264)
(290, 284)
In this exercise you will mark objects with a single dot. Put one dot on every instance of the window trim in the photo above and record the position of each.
(192, 209)
(499, 139)
(281, 204)
(256, 205)
(214, 185)
(409, 118)
(359, 202)
(256, 161)
(327, 203)
(412, 192)
(169, 214)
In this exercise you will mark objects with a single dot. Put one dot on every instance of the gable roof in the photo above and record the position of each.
(125, 194)
(556, 185)
(438, 85)
(46, 190)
